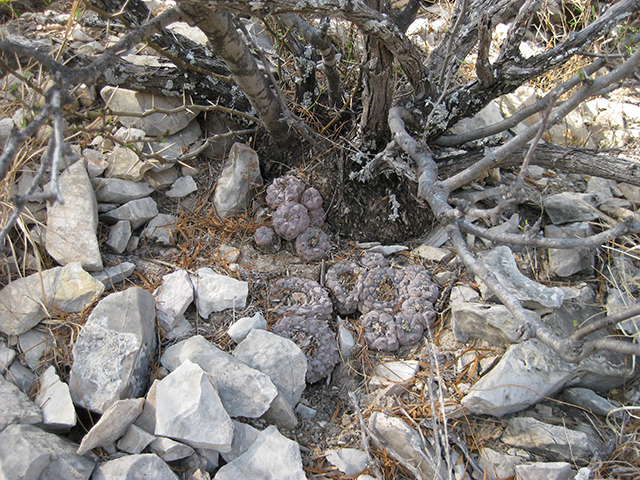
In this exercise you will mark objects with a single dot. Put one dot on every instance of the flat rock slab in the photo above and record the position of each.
(71, 235)
(215, 292)
(25, 301)
(349, 461)
(15, 406)
(240, 329)
(172, 298)
(188, 409)
(129, 101)
(532, 294)
(270, 457)
(31, 453)
(114, 350)
(170, 450)
(134, 467)
(161, 229)
(279, 358)
(244, 391)
(243, 436)
(569, 207)
(545, 471)
(138, 212)
(54, 399)
(238, 181)
(112, 425)
(552, 441)
(119, 191)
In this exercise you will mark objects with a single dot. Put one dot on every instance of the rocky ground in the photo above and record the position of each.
(137, 319)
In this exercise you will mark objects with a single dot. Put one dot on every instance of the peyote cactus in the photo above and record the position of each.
(317, 217)
(283, 190)
(266, 239)
(372, 260)
(343, 279)
(315, 339)
(300, 296)
(380, 331)
(290, 220)
(381, 290)
(418, 283)
(312, 244)
(311, 199)
(414, 317)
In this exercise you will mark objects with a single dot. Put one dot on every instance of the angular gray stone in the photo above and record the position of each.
(112, 425)
(270, 457)
(70, 235)
(182, 187)
(125, 164)
(170, 450)
(501, 263)
(279, 358)
(161, 179)
(119, 235)
(134, 467)
(173, 298)
(240, 329)
(238, 181)
(545, 471)
(147, 419)
(173, 146)
(138, 212)
(243, 436)
(571, 207)
(113, 353)
(349, 461)
(28, 452)
(36, 346)
(6, 356)
(630, 192)
(405, 445)
(25, 301)
(244, 391)
(113, 275)
(21, 377)
(463, 293)
(566, 262)
(129, 101)
(589, 400)
(554, 442)
(161, 229)
(281, 414)
(119, 191)
(15, 406)
(134, 440)
(497, 465)
(492, 323)
(54, 400)
(215, 292)
(188, 409)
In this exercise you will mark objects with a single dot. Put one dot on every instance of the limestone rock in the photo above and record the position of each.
(270, 457)
(238, 181)
(189, 409)
(15, 406)
(6, 356)
(170, 450)
(134, 467)
(138, 212)
(119, 191)
(398, 373)
(215, 292)
(112, 354)
(244, 391)
(147, 419)
(182, 187)
(173, 146)
(566, 262)
(161, 229)
(545, 471)
(111, 276)
(30, 453)
(349, 461)
(134, 440)
(129, 101)
(119, 235)
(173, 298)
(281, 414)
(243, 437)
(125, 164)
(112, 425)
(552, 441)
(279, 358)
(240, 329)
(21, 377)
(54, 400)
(571, 207)
(36, 346)
(497, 465)
(70, 235)
(590, 400)
(501, 263)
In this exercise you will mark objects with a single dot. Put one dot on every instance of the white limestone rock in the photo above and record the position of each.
(545, 471)
(138, 212)
(243, 436)
(25, 301)
(188, 409)
(125, 164)
(27, 452)
(497, 465)
(161, 229)
(172, 299)
(349, 461)
(71, 235)
(171, 147)
(6, 356)
(501, 263)
(565, 262)
(113, 352)
(147, 419)
(215, 292)
(119, 235)
(54, 400)
(238, 181)
(182, 187)
(397, 373)
(134, 467)
(240, 329)
(244, 391)
(569, 207)
(15, 406)
(281, 414)
(21, 377)
(112, 425)
(129, 101)
(279, 358)
(119, 191)
(170, 450)
(36, 346)
(134, 440)
(111, 276)
(270, 457)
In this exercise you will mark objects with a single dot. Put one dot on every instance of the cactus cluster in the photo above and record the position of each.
(298, 216)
